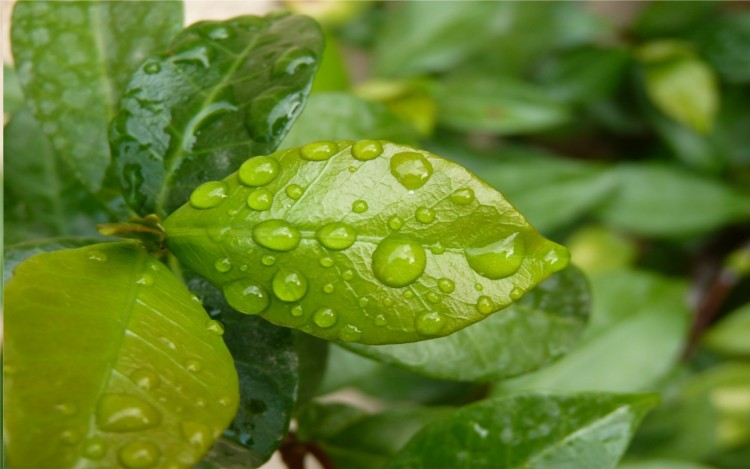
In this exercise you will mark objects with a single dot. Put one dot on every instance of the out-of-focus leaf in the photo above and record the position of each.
(669, 19)
(73, 59)
(724, 41)
(13, 98)
(596, 248)
(500, 105)
(410, 100)
(342, 116)
(228, 454)
(661, 464)
(530, 430)
(637, 328)
(223, 92)
(345, 369)
(312, 357)
(538, 329)
(731, 335)
(332, 74)
(14, 254)
(108, 362)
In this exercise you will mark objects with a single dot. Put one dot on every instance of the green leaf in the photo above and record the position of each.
(17, 253)
(342, 116)
(729, 336)
(661, 464)
(665, 19)
(223, 91)
(361, 242)
(73, 58)
(499, 105)
(724, 41)
(109, 361)
(312, 356)
(13, 98)
(530, 430)
(637, 330)
(536, 330)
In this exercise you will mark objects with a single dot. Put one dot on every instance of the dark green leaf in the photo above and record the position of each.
(373, 222)
(109, 361)
(724, 41)
(312, 354)
(730, 335)
(661, 464)
(73, 58)
(227, 454)
(536, 330)
(530, 430)
(660, 19)
(224, 91)
(13, 99)
(637, 329)
(17, 253)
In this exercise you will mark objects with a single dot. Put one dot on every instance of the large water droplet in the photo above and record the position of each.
(259, 171)
(214, 327)
(125, 413)
(209, 194)
(94, 448)
(145, 379)
(294, 191)
(289, 285)
(446, 285)
(350, 333)
(318, 151)
(463, 196)
(429, 323)
(324, 317)
(359, 206)
(246, 296)
(197, 434)
(395, 222)
(367, 150)
(425, 215)
(278, 235)
(411, 169)
(260, 200)
(139, 454)
(223, 265)
(485, 305)
(398, 262)
(336, 236)
(499, 259)
(97, 256)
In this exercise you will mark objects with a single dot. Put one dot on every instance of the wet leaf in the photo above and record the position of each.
(108, 361)
(724, 41)
(530, 430)
(14, 254)
(361, 242)
(661, 464)
(541, 327)
(223, 91)
(73, 59)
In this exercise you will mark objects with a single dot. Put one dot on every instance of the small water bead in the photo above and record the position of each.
(516, 293)
(433, 297)
(363, 302)
(243, 268)
(425, 215)
(499, 259)
(225, 401)
(437, 248)
(325, 317)
(463, 196)
(145, 280)
(219, 33)
(209, 194)
(260, 200)
(66, 408)
(169, 343)
(145, 379)
(347, 275)
(388, 302)
(94, 449)
(478, 286)
(336, 236)
(366, 150)
(350, 333)
(223, 265)
(97, 256)
(446, 285)
(359, 206)
(328, 288)
(297, 311)
(289, 285)
(398, 262)
(201, 403)
(380, 320)
(278, 235)
(395, 222)
(326, 261)
(411, 169)
(152, 68)
(429, 323)
(268, 260)
(352, 169)
(246, 296)
(197, 434)
(294, 191)
(318, 151)
(408, 294)
(70, 437)
(125, 413)
(259, 171)
(485, 305)
(193, 365)
(139, 455)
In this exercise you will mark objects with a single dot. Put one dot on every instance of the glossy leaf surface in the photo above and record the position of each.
(537, 329)
(73, 59)
(224, 91)
(530, 430)
(359, 242)
(14, 254)
(108, 362)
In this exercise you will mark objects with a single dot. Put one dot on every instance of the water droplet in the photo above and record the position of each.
(324, 317)
(328, 288)
(380, 320)
(200, 403)
(297, 311)
(199, 54)
(411, 169)
(94, 448)
(278, 235)
(223, 265)
(225, 401)
(66, 408)
(499, 259)
(347, 275)
(318, 151)
(243, 268)
(145, 379)
(259, 171)
(209, 194)
(146, 280)
(398, 262)
(485, 305)
(268, 260)
(557, 258)
(516, 293)
(125, 413)
(446, 285)
(425, 215)
(97, 256)
(365, 150)
(437, 248)
(363, 302)
(152, 68)
(292, 62)
(388, 302)
(260, 200)
(350, 333)
(197, 434)
(168, 343)
(294, 191)
(395, 222)
(139, 454)
(463, 196)
(214, 327)
(193, 365)
(429, 323)
(70, 437)
(219, 33)
(359, 206)
(246, 296)
(352, 169)
(326, 261)
(433, 297)
(336, 236)
(289, 285)
(478, 286)
(408, 294)
(233, 212)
